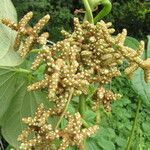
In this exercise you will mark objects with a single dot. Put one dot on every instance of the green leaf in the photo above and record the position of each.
(139, 85)
(8, 57)
(16, 102)
(105, 145)
(89, 116)
(131, 42)
(7, 89)
(92, 145)
(121, 142)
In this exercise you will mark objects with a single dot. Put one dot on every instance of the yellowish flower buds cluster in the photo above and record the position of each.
(104, 97)
(73, 134)
(38, 128)
(91, 54)
(42, 135)
(28, 35)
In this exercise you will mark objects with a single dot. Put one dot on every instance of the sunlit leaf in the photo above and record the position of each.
(8, 57)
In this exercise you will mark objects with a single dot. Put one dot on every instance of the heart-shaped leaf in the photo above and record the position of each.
(15, 103)
(8, 57)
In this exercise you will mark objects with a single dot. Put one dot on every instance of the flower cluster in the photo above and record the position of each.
(104, 97)
(88, 55)
(43, 135)
(91, 54)
(28, 35)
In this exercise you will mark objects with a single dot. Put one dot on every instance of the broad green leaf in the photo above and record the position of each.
(16, 103)
(7, 89)
(140, 86)
(8, 57)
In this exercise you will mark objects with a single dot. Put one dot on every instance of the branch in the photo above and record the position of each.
(63, 113)
(82, 105)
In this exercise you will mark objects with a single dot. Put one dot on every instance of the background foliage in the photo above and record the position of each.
(134, 15)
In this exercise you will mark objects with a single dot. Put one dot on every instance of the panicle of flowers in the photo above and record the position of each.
(91, 54)
(39, 129)
(28, 35)
(42, 135)
(104, 97)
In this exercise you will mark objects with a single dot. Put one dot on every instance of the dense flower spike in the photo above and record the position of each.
(104, 97)
(38, 128)
(73, 134)
(23, 30)
(40, 134)
(90, 54)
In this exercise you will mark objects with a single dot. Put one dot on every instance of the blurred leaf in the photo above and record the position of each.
(121, 142)
(92, 145)
(9, 147)
(8, 57)
(89, 116)
(131, 42)
(105, 145)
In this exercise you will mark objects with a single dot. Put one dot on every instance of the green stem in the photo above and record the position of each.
(21, 70)
(134, 125)
(63, 113)
(106, 9)
(82, 105)
(35, 51)
(98, 116)
(18, 70)
(89, 15)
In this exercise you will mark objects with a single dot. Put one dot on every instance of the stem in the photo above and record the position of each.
(18, 70)
(134, 125)
(98, 116)
(89, 15)
(82, 105)
(35, 51)
(63, 113)
(2, 147)
(106, 9)
(21, 70)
